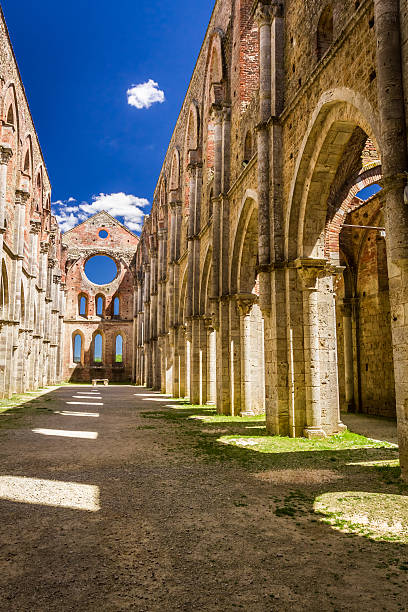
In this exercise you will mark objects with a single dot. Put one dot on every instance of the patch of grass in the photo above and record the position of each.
(377, 516)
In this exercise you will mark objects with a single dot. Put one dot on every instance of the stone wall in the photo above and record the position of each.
(80, 244)
(32, 296)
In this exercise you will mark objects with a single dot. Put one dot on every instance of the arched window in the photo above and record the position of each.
(248, 150)
(325, 32)
(83, 306)
(77, 348)
(98, 348)
(100, 305)
(119, 350)
(27, 163)
(39, 193)
(116, 307)
(10, 115)
(3, 292)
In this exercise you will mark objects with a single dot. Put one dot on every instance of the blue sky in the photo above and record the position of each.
(78, 59)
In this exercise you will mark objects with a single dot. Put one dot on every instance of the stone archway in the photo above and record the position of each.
(330, 157)
(248, 361)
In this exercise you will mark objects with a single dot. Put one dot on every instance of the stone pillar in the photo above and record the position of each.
(245, 303)
(394, 167)
(211, 364)
(348, 356)
(216, 224)
(309, 278)
(264, 17)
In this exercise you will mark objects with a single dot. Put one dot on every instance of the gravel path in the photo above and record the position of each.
(128, 517)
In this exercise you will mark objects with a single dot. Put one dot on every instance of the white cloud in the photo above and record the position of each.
(145, 94)
(126, 208)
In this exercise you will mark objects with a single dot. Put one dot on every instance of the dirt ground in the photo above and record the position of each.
(135, 515)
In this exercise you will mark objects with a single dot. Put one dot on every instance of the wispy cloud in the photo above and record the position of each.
(145, 94)
(126, 208)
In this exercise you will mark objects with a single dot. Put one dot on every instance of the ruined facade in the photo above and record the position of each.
(99, 319)
(32, 281)
(266, 279)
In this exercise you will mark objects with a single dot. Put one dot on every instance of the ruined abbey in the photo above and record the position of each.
(265, 278)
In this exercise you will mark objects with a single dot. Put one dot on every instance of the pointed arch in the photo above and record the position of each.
(175, 171)
(78, 347)
(4, 291)
(337, 115)
(245, 253)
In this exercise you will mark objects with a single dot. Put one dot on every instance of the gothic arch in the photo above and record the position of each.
(338, 113)
(205, 282)
(245, 244)
(175, 171)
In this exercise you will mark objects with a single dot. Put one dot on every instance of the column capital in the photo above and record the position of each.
(44, 248)
(266, 11)
(245, 301)
(35, 227)
(6, 153)
(310, 270)
(217, 113)
(22, 196)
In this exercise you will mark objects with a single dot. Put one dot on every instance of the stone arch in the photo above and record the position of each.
(10, 106)
(175, 171)
(338, 113)
(205, 283)
(182, 299)
(193, 129)
(245, 251)
(4, 292)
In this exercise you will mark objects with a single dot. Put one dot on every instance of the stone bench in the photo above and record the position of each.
(95, 381)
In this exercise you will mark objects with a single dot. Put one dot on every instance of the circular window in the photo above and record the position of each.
(101, 270)
(103, 234)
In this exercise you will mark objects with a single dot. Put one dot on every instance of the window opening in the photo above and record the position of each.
(77, 348)
(82, 306)
(101, 269)
(116, 307)
(99, 306)
(103, 234)
(98, 348)
(119, 349)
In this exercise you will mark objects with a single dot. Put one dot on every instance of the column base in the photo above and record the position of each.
(314, 433)
(341, 427)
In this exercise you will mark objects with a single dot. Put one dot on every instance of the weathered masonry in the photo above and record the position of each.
(31, 280)
(99, 318)
(268, 277)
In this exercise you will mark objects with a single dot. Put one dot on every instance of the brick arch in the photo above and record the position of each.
(338, 113)
(245, 250)
(334, 226)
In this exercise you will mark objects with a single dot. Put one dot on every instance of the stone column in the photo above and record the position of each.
(348, 355)
(264, 18)
(394, 167)
(211, 363)
(245, 303)
(216, 229)
(309, 276)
